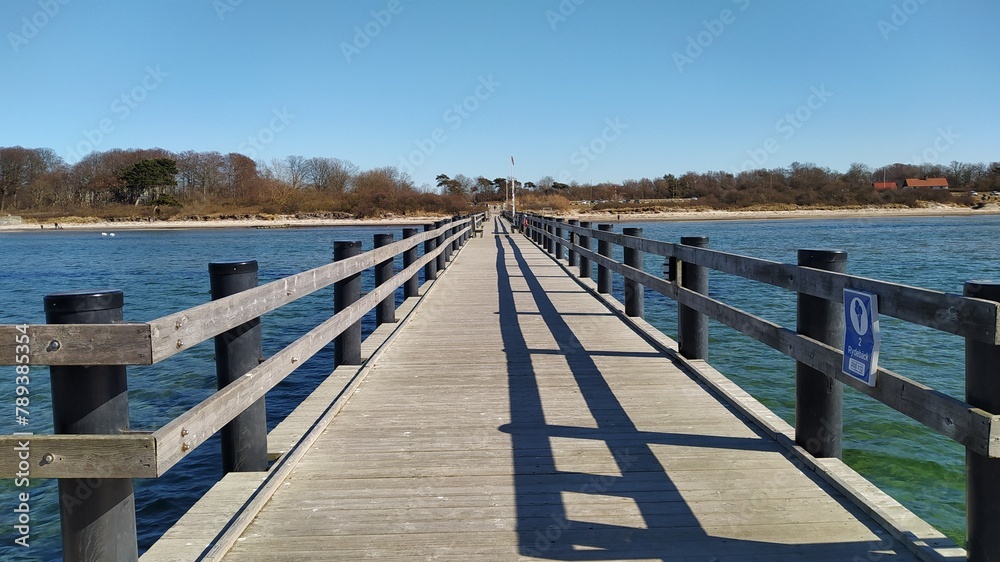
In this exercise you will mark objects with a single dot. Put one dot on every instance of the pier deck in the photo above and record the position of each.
(517, 417)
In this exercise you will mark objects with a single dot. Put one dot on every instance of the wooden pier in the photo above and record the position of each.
(515, 410)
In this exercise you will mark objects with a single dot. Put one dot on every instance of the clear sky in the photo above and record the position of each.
(584, 90)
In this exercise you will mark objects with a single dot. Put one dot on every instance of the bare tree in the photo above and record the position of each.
(330, 174)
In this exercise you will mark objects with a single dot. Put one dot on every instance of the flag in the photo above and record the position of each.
(511, 160)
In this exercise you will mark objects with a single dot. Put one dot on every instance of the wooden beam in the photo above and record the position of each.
(76, 344)
(79, 456)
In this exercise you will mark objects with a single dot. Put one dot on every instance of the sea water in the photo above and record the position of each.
(161, 272)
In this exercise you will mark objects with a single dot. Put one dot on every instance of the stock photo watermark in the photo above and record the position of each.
(257, 142)
(786, 127)
(33, 24)
(365, 34)
(562, 13)
(122, 107)
(22, 449)
(713, 29)
(899, 17)
(588, 153)
(455, 117)
(944, 140)
(223, 7)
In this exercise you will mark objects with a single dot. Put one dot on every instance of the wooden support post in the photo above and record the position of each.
(550, 241)
(572, 257)
(442, 258)
(412, 286)
(237, 352)
(982, 480)
(692, 327)
(452, 232)
(634, 291)
(430, 270)
(347, 346)
(584, 260)
(385, 311)
(819, 400)
(98, 514)
(558, 238)
(604, 249)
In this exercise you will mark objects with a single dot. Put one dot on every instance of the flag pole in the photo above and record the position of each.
(513, 191)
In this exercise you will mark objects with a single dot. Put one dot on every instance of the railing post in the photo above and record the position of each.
(584, 260)
(412, 286)
(982, 480)
(604, 249)
(550, 243)
(430, 270)
(634, 291)
(692, 327)
(558, 238)
(98, 514)
(385, 311)
(572, 241)
(819, 409)
(452, 232)
(442, 258)
(237, 352)
(347, 346)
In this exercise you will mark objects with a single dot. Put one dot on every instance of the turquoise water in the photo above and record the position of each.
(162, 272)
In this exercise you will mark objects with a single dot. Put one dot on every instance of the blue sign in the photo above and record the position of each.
(861, 336)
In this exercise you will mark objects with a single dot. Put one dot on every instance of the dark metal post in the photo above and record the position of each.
(819, 410)
(604, 249)
(98, 514)
(442, 258)
(692, 327)
(584, 260)
(385, 311)
(430, 270)
(237, 352)
(572, 240)
(412, 286)
(634, 291)
(982, 481)
(347, 346)
(559, 237)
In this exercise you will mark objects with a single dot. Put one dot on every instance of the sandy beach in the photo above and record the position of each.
(290, 221)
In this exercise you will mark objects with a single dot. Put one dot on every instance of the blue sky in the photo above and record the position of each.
(581, 90)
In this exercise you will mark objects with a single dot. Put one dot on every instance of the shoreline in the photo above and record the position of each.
(603, 216)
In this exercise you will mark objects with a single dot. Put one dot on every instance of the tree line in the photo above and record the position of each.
(157, 181)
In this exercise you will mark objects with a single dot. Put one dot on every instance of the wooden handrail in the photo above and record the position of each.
(974, 428)
(151, 342)
(151, 454)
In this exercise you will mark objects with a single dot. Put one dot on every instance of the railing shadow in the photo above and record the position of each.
(668, 528)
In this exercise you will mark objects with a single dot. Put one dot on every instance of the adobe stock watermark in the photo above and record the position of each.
(33, 24)
(598, 485)
(562, 13)
(786, 127)
(223, 7)
(455, 116)
(899, 17)
(696, 44)
(256, 143)
(365, 34)
(586, 154)
(122, 107)
(942, 143)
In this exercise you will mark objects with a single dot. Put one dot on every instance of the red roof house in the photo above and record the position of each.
(883, 185)
(933, 183)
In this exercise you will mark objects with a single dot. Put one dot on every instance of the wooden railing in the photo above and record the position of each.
(85, 356)
(819, 279)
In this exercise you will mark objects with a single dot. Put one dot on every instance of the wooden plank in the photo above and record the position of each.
(76, 344)
(79, 456)
(955, 314)
(176, 332)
